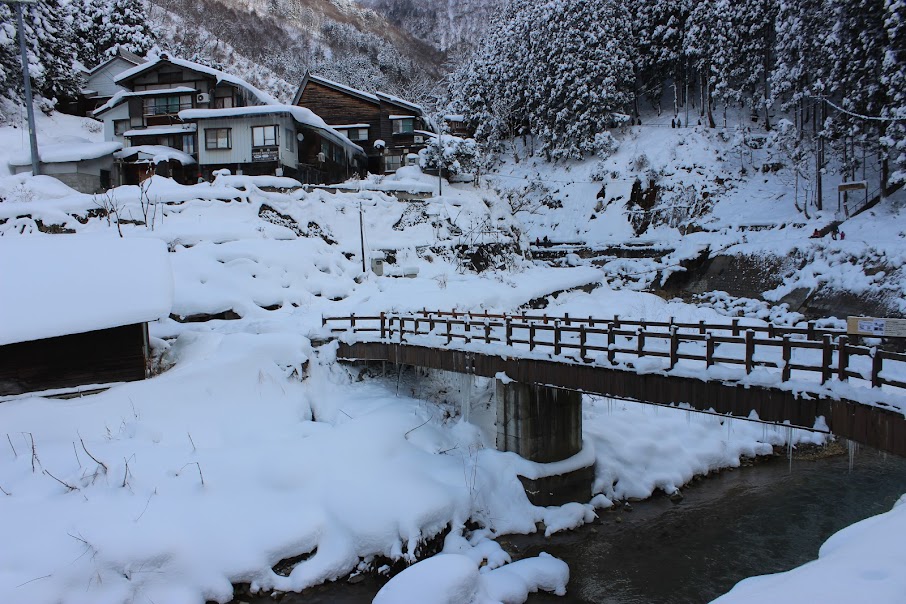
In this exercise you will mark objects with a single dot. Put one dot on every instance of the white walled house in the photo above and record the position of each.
(100, 82)
(282, 140)
(85, 166)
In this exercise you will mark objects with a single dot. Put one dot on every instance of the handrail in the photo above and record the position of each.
(809, 349)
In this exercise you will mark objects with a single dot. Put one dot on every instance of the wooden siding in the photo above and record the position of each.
(95, 357)
(335, 107)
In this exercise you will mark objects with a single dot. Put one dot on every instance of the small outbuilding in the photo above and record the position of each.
(83, 165)
(74, 309)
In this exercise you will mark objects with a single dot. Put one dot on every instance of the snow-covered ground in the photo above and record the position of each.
(254, 447)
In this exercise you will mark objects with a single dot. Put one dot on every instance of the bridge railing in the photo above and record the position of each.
(793, 352)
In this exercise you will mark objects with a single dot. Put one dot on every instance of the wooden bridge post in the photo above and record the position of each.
(842, 358)
(709, 350)
(674, 346)
(383, 325)
(787, 359)
(701, 328)
(531, 336)
(582, 337)
(611, 344)
(449, 333)
(352, 321)
(467, 328)
(877, 361)
(750, 350)
(487, 331)
(640, 337)
(402, 328)
(556, 337)
(827, 358)
(509, 332)
(735, 327)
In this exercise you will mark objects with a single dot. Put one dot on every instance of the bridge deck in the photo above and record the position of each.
(876, 427)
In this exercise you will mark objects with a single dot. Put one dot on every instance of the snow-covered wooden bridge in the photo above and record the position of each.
(806, 376)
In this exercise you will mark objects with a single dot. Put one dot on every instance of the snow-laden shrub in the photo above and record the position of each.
(454, 154)
(605, 145)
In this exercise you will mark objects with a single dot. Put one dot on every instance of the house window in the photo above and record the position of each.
(218, 138)
(289, 140)
(338, 155)
(404, 126)
(264, 136)
(223, 102)
(188, 144)
(358, 134)
(392, 163)
(167, 105)
(325, 150)
(120, 127)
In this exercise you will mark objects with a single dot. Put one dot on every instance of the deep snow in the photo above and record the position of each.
(174, 488)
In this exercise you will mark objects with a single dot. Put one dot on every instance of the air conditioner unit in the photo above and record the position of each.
(419, 139)
(203, 97)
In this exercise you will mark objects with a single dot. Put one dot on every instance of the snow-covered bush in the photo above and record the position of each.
(605, 145)
(454, 154)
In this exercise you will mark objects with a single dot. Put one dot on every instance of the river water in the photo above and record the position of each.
(757, 520)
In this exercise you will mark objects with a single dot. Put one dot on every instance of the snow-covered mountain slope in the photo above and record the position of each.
(448, 25)
(273, 43)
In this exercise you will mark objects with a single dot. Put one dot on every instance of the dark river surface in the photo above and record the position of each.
(751, 521)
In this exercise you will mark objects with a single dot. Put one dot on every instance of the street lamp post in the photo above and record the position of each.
(26, 79)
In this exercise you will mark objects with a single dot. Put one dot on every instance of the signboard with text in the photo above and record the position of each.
(876, 327)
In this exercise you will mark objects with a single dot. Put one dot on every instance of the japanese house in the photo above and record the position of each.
(284, 140)
(98, 83)
(388, 128)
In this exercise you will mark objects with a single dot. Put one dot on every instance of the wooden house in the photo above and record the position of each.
(388, 128)
(74, 310)
(283, 140)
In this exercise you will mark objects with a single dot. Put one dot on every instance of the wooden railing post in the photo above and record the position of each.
(556, 337)
(735, 327)
(402, 328)
(487, 331)
(545, 318)
(467, 328)
(701, 327)
(449, 332)
(877, 362)
(383, 325)
(531, 336)
(810, 330)
(842, 358)
(827, 358)
(709, 350)
(352, 321)
(616, 321)
(509, 332)
(582, 337)
(566, 318)
(787, 359)
(771, 333)
(750, 350)
(640, 340)
(611, 344)
(674, 346)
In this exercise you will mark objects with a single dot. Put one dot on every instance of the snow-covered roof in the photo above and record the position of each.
(455, 117)
(156, 154)
(66, 152)
(310, 77)
(221, 76)
(155, 130)
(401, 102)
(347, 126)
(66, 284)
(123, 95)
(301, 115)
(402, 117)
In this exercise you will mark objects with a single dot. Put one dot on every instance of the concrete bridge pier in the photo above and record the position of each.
(544, 424)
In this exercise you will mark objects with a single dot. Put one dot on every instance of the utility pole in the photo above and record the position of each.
(362, 235)
(440, 162)
(26, 79)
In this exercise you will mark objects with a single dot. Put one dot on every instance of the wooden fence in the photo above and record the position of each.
(804, 350)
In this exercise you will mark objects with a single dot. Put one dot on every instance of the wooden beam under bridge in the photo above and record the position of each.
(876, 427)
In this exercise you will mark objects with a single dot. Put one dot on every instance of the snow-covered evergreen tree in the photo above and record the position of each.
(104, 25)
